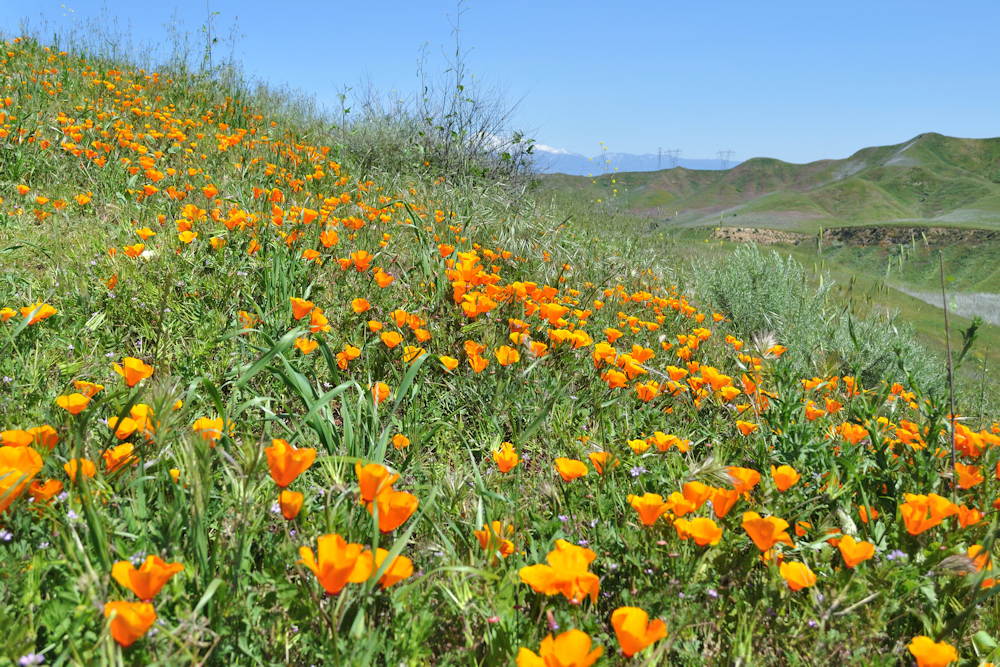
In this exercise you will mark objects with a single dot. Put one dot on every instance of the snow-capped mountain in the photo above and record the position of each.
(549, 160)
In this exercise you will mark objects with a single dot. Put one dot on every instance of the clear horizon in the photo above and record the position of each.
(786, 81)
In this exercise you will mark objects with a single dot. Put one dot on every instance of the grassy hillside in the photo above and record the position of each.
(931, 179)
(264, 400)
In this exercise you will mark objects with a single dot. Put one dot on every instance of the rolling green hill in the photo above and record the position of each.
(930, 180)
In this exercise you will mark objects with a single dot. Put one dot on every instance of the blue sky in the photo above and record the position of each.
(795, 80)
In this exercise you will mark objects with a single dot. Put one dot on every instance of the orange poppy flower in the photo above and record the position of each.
(85, 467)
(400, 441)
(491, 538)
(373, 479)
(968, 475)
(678, 505)
(505, 457)
(968, 516)
(766, 532)
(318, 322)
(785, 477)
(337, 563)
(43, 492)
(703, 531)
(290, 503)
(570, 649)
(380, 392)
(634, 629)
(566, 573)
(287, 462)
(394, 508)
(18, 466)
(129, 620)
(744, 479)
(929, 653)
(146, 580)
(507, 355)
(449, 363)
(478, 363)
(208, 428)
(649, 506)
(133, 370)
(797, 575)
(391, 338)
(360, 305)
(73, 403)
(696, 493)
(37, 312)
(89, 389)
(570, 469)
(746, 428)
(119, 456)
(921, 512)
(723, 501)
(301, 307)
(855, 552)
(852, 433)
(306, 345)
(600, 461)
(399, 569)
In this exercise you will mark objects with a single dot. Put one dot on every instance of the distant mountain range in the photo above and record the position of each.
(557, 161)
(930, 180)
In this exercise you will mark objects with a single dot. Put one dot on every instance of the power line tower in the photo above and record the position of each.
(673, 154)
(724, 157)
(659, 158)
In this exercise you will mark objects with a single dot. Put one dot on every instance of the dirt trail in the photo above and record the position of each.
(863, 236)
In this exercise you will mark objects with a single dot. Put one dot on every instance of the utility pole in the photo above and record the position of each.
(659, 158)
(724, 157)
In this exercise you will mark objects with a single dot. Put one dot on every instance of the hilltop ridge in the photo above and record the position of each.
(929, 179)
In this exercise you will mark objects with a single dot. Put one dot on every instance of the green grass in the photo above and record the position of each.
(215, 322)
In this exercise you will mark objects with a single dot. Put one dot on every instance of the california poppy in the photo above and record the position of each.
(929, 653)
(373, 479)
(129, 620)
(797, 575)
(394, 508)
(784, 477)
(301, 307)
(703, 531)
(566, 573)
(766, 532)
(570, 649)
(146, 580)
(287, 462)
(118, 456)
(18, 466)
(399, 569)
(921, 512)
(570, 469)
(505, 457)
(74, 403)
(85, 467)
(855, 552)
(336, 562)
(649, 506)
(634, 629)
(290, 503)
(492, 537)
(133, 370)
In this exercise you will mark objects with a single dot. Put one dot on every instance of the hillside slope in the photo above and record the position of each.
(931, 179)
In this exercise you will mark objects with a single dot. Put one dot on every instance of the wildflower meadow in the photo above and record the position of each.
(262, 403)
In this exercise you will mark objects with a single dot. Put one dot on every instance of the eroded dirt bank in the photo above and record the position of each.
(883, 236)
